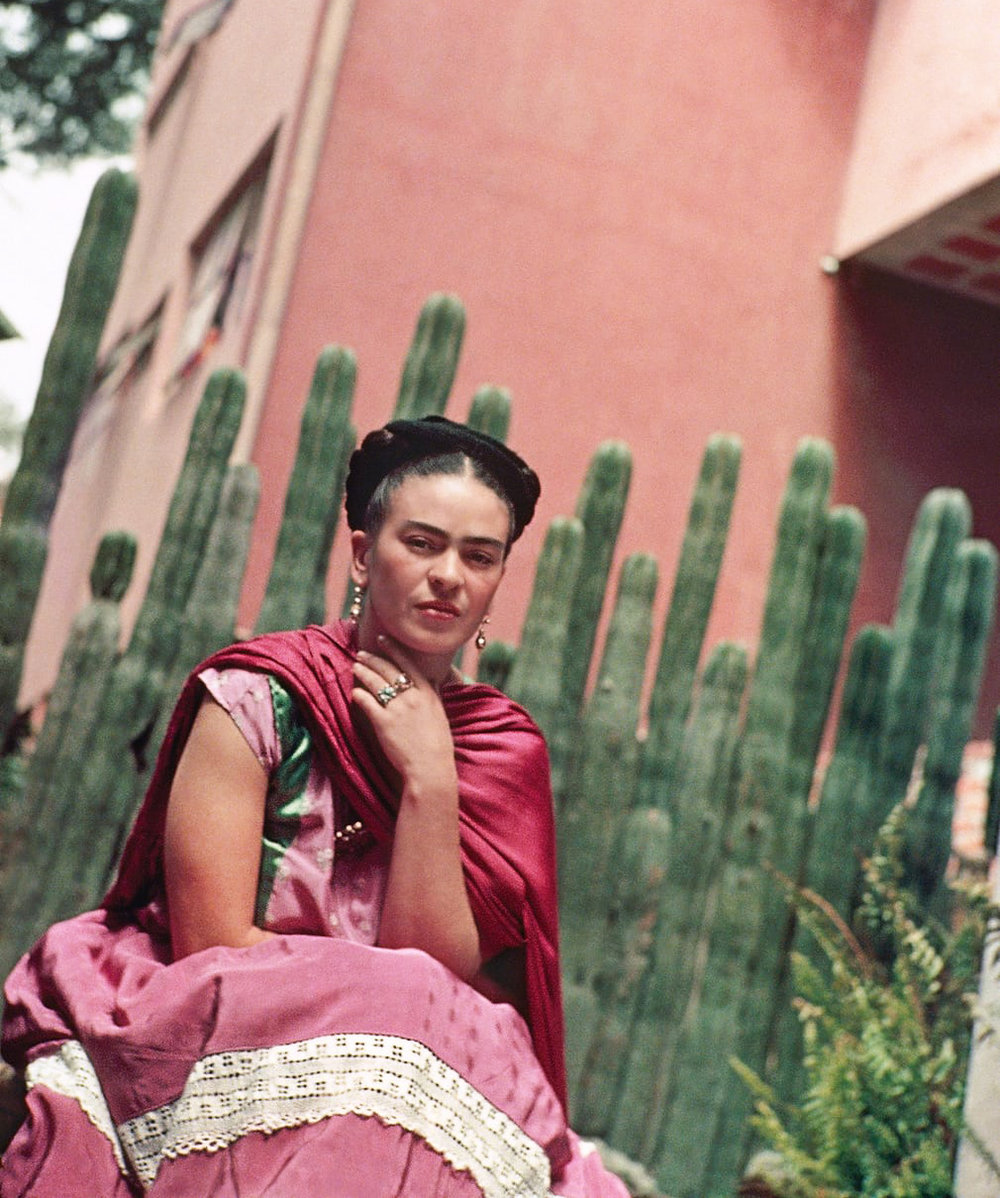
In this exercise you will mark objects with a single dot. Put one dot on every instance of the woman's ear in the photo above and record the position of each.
(360, 548)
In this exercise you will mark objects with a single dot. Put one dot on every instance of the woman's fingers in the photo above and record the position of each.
(374, 677)
(380, 679)
(406, 713)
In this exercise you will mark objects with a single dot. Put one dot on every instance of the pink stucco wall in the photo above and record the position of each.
(917, 409)
(240, 97)
(632, 200)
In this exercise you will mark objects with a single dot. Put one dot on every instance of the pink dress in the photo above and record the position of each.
(312, 1063)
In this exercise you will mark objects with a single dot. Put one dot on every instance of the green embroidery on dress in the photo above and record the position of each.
(286, 793)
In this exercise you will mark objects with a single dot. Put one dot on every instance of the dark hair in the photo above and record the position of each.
(434, 445)
(442, 463)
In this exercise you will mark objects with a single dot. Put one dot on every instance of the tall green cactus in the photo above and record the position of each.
(601, 793)
(314, 496)
(209, 619)
(941, 524)
(66, 378)
(968, 617)
(841, 551)
(631, 1113)
(189, 521)
(534, 678)
(601, 508)
(844, 823)
(316, 613)
(836, 583)
(209, 616)
(720, 1018)
(31, 861)
(13, 770)
(429, 369)
(842, 538)
(605, 767)
(132, 700)
(846, 818)
(86, 663)
(23, 551)
(432, 359)
(687, 618)
(771, 710)
(116, 764)
(490, 411)
(495, 662)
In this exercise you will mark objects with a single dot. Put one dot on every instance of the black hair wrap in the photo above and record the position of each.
(404, 441)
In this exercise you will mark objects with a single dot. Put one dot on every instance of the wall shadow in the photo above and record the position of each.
(917, 406)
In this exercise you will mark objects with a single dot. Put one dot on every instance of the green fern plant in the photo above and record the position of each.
(886, 1038)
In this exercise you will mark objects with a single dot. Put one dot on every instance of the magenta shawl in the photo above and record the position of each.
(507, 830)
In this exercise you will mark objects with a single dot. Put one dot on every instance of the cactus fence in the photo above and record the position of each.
(675, 936)
(65, 383)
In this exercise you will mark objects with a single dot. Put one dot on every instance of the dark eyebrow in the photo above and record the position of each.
(440, 532)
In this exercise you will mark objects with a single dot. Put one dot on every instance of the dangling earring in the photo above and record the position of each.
(355, 612)
(481, 634)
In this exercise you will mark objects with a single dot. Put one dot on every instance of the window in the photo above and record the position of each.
(197, 23)
(120, 378)
(220, 277)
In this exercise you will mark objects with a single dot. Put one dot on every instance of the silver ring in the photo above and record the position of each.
(386, 695)
(402, 683)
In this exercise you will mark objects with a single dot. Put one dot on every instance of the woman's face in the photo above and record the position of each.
(433, 567)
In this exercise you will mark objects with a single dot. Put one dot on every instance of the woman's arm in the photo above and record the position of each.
(212, 839)
(426, 905)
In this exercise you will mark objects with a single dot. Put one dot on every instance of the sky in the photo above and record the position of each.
(41, 212)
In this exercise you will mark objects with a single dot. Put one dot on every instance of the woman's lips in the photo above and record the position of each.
(439, 611)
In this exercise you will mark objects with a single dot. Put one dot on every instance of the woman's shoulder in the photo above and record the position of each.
(303, 659)
(269, 649)
(262, 709)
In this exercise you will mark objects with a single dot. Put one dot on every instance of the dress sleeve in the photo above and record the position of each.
(246, 696)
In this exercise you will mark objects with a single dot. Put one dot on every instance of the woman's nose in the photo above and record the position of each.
(444, 569)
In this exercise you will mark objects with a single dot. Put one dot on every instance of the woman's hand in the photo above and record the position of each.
(426, 905)
(412, 728)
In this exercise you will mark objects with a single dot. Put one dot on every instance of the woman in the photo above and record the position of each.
(329, 962)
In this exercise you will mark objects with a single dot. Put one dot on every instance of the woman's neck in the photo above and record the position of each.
(436, 668)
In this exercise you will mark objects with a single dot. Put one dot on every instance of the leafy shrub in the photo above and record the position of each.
(886, 1032)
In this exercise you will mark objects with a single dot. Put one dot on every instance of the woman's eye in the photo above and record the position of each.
(482, 559)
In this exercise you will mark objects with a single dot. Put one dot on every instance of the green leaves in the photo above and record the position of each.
(886, 1040)
(68, 72)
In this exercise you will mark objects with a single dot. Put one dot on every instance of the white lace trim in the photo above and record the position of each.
(69, 1072)
(399, 1081)
(228, 1095)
